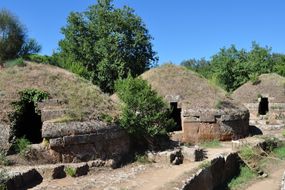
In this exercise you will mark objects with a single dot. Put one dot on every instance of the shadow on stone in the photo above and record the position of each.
(253, 130)
(25, 180)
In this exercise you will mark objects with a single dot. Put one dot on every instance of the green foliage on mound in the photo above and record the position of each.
(27, 96)
(144, 114)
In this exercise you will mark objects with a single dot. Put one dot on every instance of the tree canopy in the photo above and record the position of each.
(13, 38)
(109, 42)
(231, 67)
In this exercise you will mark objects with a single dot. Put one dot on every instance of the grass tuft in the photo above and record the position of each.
(204, 164)
(70, 171)
(211, 144)
(143, 159)
(279, 152)
(247, 152)
(21, 145)
(244, 177)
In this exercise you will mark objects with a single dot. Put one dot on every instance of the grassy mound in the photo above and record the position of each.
(269, 85)
(83, 100)
(193, 90)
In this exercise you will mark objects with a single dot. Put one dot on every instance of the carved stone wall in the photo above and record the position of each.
(83, 141)
(201, 125)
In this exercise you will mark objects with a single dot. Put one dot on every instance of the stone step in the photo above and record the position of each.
(24, 179)
(50, 114)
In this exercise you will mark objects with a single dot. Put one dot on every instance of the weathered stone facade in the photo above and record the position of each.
(220, 171)
(73, 141)
(265, 101)
(274, 118)
(206, 112)
(201, 125)
(83, 141)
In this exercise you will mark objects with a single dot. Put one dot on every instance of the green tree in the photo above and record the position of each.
(13, 38)
(145, 115)
(231, 67)
(279, 63)
(109, 42)
(201, 66)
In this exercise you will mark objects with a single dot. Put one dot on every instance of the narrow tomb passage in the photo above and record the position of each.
(263, 106)
(176, 116)
(29, 124)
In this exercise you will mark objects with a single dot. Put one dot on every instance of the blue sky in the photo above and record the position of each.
(182, 29)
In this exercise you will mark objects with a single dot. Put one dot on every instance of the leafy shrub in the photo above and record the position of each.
(21, 145)
(70, 171)
(254, 79)
(16, 62)
(27, 96)
(107, 118)
(38, 58)
(145, 115)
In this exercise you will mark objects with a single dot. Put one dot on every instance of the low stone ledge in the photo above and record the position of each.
(55, 130)
(219, 172)
(24, 180)
(52, 172)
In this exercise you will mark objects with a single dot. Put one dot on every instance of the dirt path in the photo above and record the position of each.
(131, 177)
(273, 181)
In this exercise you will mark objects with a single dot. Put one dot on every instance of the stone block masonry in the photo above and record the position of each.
(83, 141)
(220, 171)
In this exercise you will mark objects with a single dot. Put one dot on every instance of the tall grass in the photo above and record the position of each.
(21, 145)
(247, 152)
(279, 152)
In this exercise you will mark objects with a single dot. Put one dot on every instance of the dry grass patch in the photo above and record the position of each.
(83, 100)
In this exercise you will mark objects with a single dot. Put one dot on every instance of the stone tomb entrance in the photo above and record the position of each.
(28, 123)
(176, 116)
(263, 106)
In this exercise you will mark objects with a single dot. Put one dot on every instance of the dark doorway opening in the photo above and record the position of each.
(29, 124)
(263, 106)
(176, 116)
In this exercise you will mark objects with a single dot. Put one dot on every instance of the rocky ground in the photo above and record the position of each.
(138, 176)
